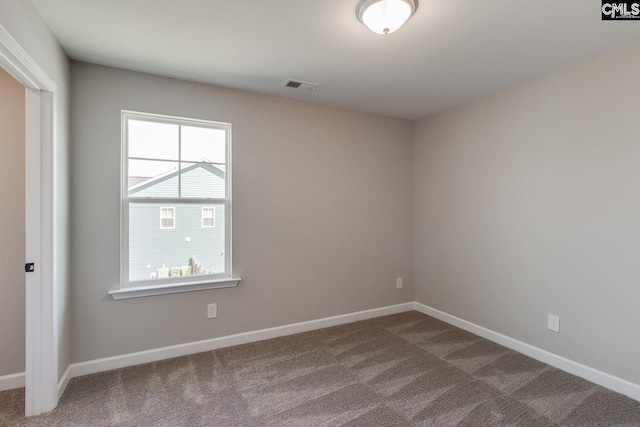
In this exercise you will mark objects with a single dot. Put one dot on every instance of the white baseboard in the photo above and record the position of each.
(9, 382)
(601, 378)
(64, 382)
(154, 355)
(115, 362)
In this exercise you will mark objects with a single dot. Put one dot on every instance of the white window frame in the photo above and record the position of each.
(171, 285)
(213, 217)
(172, 217)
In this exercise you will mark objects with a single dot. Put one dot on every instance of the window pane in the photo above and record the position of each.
(186, 250)
(168, 160)
(203, 180)
(167, 218)
(153, 140)
(149, 178)
(203, 144)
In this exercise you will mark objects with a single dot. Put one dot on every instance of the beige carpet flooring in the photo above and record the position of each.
(401, 370)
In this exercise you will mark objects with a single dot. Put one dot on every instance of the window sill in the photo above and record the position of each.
(172, 288)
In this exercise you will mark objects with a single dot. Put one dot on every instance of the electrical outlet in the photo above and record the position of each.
(399, 282)
(554, 323)
(212, 311)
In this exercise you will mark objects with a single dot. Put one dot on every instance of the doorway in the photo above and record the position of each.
(12, 228)
(41, 334)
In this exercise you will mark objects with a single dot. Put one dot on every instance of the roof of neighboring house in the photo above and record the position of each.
(216, 169)
(135, 180)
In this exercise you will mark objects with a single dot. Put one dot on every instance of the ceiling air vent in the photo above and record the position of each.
(295, 84)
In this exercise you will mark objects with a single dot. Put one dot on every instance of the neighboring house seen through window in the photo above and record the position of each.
(180, 168)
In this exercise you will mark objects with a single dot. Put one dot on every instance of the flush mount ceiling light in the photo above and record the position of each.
(385, 16)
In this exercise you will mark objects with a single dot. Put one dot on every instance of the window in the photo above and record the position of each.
(180, 168)
(208, 217)
(167, 218)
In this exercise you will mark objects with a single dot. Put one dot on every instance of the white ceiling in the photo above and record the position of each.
(449, 52)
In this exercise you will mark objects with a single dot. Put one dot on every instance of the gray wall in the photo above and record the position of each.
(12, 304)
(322, 213)
(527, 203)
(25, 25)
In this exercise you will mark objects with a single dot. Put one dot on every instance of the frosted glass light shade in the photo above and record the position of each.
(385, 16)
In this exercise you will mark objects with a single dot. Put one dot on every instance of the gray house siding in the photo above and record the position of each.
(201, 180)
(152, 247)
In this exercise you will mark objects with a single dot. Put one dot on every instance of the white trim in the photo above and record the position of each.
(601, 378)
(49, 337)
(17, 62)
(228, 206)
(172, 288)
(9, 382)
(33, 236)
(41, 338)
(64, 382)
(122, 361)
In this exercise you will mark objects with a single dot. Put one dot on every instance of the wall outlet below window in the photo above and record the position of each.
(212, 311)
(399, 282)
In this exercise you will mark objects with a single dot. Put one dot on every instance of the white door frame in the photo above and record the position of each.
(41, 365)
